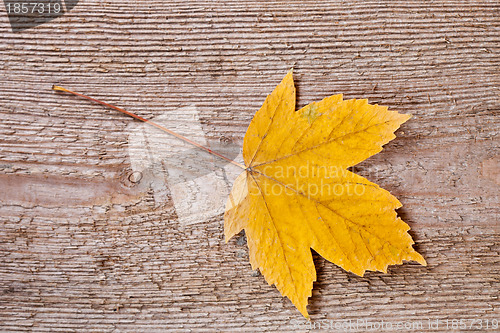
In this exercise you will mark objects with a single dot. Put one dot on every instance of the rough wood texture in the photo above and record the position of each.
(86, 244)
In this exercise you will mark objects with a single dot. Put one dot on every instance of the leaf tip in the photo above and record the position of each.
(303, 311)
(289, 75)
(405, 117)
(229, 234)
(421, 260)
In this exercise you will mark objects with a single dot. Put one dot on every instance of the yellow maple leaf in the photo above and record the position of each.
(296, 192)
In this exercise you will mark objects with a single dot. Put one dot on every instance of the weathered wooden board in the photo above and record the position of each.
(89, 241)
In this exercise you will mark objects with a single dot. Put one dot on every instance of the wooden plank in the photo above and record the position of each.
(89, 244)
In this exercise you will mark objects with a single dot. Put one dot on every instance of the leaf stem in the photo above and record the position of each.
(133, 115)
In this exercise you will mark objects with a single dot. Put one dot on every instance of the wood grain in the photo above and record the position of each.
(89, 244)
